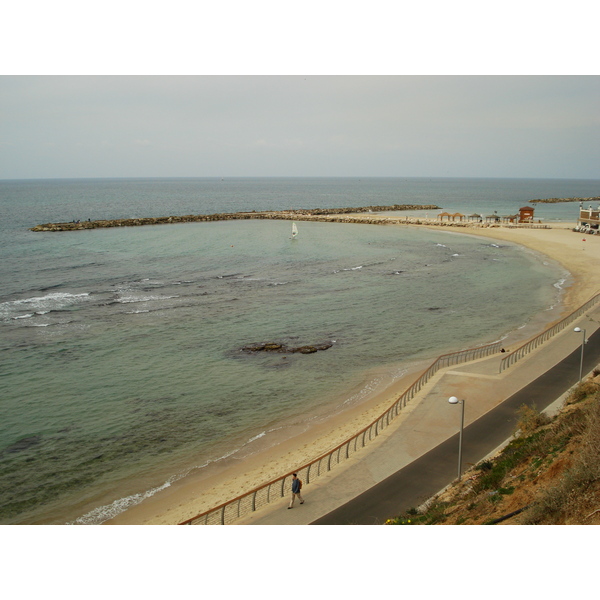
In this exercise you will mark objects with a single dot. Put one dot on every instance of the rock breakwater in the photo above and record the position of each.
(298, 214)
(555, 200)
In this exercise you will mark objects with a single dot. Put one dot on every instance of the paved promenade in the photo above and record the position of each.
(417, 455)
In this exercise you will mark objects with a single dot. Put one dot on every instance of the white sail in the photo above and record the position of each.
(294, 231)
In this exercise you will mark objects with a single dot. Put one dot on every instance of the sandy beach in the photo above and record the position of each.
(232, 477)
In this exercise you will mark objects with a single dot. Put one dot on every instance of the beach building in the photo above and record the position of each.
(589, 219)
(526, 214)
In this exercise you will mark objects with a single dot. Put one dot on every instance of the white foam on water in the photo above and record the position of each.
(134, 299)
(99, 515)
(350, 269)
(257, 437)
(41, 304)
(559, 285)
(110, 511)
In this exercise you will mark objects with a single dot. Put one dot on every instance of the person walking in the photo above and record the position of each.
(296, 487)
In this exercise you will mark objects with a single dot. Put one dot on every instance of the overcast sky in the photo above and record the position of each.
(215, 126)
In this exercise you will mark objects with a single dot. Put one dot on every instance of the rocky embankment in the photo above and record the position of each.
(556, 200)
(315, 214)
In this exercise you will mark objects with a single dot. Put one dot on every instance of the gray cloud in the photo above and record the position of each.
(470, 126)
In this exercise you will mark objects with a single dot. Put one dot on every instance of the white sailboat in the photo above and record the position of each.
(294, 231)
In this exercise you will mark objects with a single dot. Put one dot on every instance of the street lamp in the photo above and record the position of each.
(455, 400)
(577, 330)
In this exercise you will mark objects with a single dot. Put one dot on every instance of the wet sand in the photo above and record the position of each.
(230, 478)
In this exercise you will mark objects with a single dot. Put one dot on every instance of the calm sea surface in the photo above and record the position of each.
(120, 361)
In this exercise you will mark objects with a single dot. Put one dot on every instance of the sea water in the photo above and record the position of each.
(121, 361)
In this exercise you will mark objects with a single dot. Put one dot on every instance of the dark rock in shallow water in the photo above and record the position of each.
(24, 444)
(276, 347)
(272, 347)
(304, 349)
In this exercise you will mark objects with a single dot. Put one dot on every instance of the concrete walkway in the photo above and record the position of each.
(428, 421)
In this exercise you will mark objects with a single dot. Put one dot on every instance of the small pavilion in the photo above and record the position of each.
(451, 216)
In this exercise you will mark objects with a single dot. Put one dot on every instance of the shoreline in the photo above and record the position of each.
(221, 482)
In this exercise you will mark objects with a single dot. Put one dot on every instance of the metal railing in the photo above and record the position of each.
(268, 492)
(537, 341)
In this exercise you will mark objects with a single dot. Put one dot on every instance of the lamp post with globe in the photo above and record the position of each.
(578, 330)
(455, 400)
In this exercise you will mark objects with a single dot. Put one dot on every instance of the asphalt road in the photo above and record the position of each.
(412, 485)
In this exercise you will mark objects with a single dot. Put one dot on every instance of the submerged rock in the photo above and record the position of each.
(24, 444)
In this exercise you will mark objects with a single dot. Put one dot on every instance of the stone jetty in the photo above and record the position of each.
(556, 200)
(346, 215)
